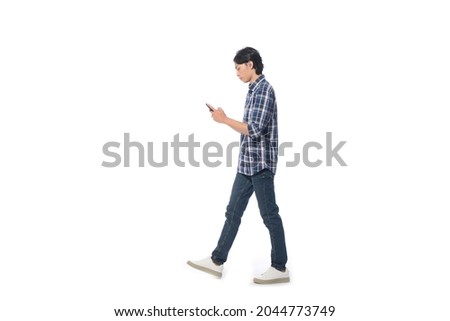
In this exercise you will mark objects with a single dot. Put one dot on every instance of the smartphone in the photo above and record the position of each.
(209, 107)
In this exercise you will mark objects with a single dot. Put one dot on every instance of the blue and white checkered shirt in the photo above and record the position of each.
(259, 149)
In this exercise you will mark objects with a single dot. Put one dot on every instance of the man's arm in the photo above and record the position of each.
(219, 116)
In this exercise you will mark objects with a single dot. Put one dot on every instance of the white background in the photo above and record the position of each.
(78, 240)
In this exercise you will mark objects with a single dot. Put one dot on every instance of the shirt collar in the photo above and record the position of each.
(254, 84)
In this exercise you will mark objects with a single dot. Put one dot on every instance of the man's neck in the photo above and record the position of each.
(254, 78)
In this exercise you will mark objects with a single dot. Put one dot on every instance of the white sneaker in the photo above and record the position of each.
(272, 276)
(207, 265)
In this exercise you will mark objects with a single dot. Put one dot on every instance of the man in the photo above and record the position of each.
(258, 156)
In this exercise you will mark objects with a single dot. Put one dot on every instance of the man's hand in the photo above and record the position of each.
(218, 114)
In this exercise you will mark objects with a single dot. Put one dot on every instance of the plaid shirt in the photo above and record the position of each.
(259, 149)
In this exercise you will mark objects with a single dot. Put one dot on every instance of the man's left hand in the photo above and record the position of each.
(219, 115)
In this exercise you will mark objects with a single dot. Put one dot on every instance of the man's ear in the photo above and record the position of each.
(250, 64)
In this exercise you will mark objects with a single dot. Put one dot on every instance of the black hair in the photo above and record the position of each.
(250, 54)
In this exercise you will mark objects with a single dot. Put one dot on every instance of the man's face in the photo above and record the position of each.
(244, 71)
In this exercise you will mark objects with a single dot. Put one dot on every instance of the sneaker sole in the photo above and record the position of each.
(204, 269)
(271, 281)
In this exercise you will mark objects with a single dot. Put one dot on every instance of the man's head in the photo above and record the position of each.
(248, 64)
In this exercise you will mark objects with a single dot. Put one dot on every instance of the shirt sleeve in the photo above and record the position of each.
(262, 111)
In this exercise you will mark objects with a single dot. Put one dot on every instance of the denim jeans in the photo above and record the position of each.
(262, 184)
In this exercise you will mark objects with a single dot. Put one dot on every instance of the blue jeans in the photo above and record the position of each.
(262, 184)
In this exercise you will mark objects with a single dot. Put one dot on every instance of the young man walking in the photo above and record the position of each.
(258, 156)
